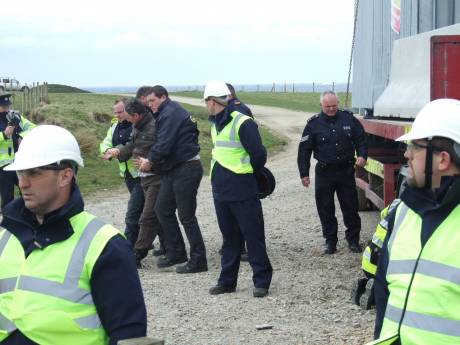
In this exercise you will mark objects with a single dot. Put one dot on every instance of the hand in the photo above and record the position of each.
(9, 131)
(110, 153)
(360, 161)
(144, 164)
(306, 181)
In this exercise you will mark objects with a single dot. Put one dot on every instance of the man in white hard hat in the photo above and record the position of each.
(417, 286)
(66, 277)
(238, 153)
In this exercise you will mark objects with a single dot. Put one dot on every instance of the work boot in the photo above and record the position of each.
(220, 289)
(330, 248)
(139, 255)
(191, 268)
(244, 257)
(357, 290)
(159, 252)
(355, 247)
(167, 262)
(260, 292)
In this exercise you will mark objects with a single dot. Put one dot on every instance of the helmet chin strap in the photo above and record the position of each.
(429, 166)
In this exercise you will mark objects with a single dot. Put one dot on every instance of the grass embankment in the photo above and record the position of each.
(59, 88)
(302, 101)
(88, 117)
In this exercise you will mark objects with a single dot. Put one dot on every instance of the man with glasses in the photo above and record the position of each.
(417, 286)
(119, 133)
(334, 136)
(66, 276)
(13, 127)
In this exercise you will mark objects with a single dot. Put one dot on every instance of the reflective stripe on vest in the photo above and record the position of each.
(69, 290)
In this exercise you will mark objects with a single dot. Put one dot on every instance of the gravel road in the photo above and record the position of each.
(309, 300)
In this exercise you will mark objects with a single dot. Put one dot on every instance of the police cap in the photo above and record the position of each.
(266, 182)
(5, 99)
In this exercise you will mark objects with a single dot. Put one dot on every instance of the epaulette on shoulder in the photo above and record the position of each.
(313, 118)
(346, 111)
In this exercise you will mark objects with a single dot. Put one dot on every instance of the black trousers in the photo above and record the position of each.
(178, 191)
(327, 183)
(239, 221)
(8, 179)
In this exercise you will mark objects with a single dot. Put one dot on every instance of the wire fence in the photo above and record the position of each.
(30, 98)
(273, 87)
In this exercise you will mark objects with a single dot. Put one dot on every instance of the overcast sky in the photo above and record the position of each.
(175, 42)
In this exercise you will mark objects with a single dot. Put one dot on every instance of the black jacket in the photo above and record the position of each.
(226, 185)
(236, 104)
(115, 285)
(332, 139)
(142, 138)
(433, 208)
(177, 136)
(122, 133)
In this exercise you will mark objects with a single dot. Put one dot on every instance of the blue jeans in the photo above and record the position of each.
(178, 190)
(134, 210)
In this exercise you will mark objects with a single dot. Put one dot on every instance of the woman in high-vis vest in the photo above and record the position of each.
(417, 286)
(66, 277)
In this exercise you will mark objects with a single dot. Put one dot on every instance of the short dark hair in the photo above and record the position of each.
(143, 91)
(134, 106)
(231, 89)
(159, 91)
(446, 144)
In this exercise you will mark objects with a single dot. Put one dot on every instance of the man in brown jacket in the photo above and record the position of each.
(143, 137)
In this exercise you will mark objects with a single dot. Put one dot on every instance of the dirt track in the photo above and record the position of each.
(309, 301)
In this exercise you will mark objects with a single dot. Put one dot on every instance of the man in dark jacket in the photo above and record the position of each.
(235, 104)
(176, 153)
(142, 139)
(333, 136)
(65, 275)
(238, 153)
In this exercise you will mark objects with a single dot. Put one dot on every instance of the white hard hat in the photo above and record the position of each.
(216, 88)
(46, 144)
(439, 118)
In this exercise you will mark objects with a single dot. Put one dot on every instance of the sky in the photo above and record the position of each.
(175, 42)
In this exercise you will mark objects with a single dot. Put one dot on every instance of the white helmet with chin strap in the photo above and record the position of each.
(44, 145)
(439, 118)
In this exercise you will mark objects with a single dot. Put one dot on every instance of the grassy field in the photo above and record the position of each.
(302, 101)
(88, 117)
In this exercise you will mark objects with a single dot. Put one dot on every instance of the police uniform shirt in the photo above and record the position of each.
(333, 140)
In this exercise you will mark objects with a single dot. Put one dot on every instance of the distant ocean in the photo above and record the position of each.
(277, 87)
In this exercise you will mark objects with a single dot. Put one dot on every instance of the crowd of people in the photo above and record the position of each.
(59, 263)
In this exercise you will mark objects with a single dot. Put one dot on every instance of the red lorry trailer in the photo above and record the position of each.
(424, 67)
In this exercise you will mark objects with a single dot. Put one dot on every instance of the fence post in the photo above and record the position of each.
(293, 88)
(333, 86)
(284, 87)
(313, 87)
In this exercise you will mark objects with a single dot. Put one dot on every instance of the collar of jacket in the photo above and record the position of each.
(163, 105)
(146, 119)
(421, 200)
(55, 228)
(221, 119)
(328, 118)
(125, 124)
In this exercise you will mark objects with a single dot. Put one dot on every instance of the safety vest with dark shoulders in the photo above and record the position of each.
(47, 296)
(6, 144)
(424, 282)
(228, 150)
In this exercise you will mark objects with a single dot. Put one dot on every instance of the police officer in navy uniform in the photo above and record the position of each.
(13, 127)
(235, 104)
(333, 136)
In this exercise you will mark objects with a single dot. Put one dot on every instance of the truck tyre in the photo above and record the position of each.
(367, 301)
(358, 288)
